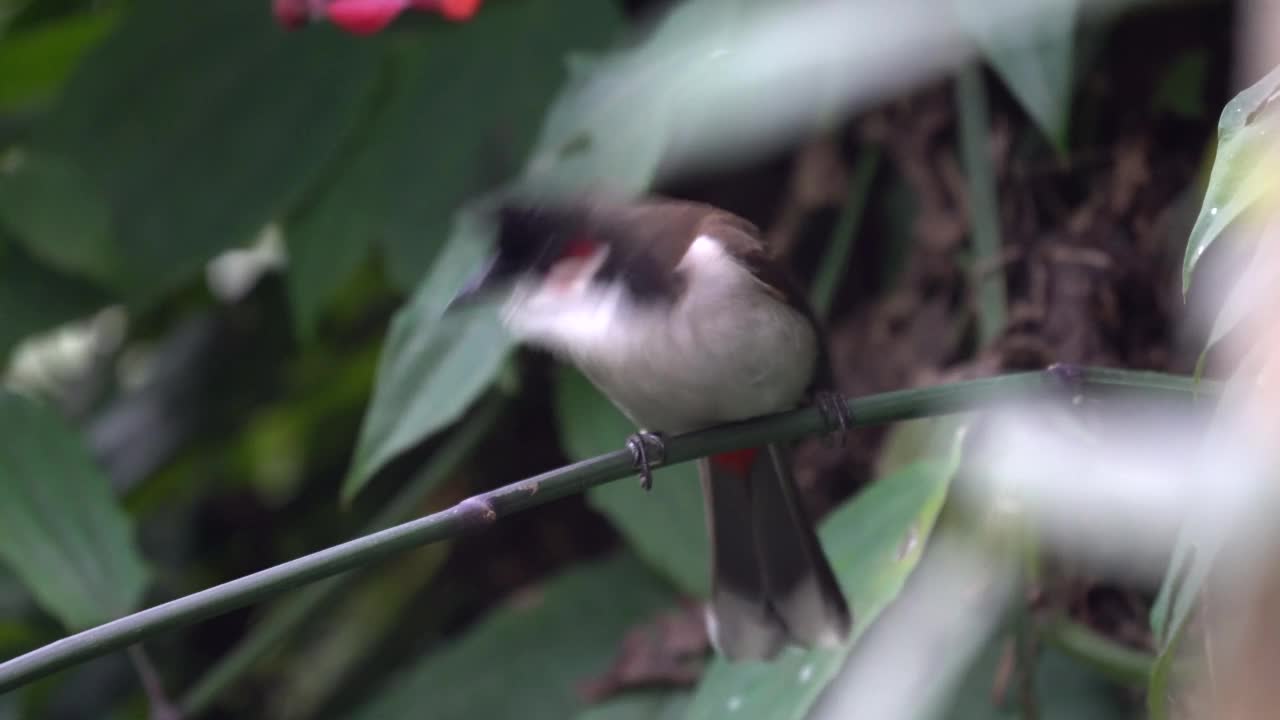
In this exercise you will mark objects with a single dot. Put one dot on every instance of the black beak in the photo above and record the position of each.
(480, 284)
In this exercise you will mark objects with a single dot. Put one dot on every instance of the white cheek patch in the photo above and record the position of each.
(566, 308)
(569, 275)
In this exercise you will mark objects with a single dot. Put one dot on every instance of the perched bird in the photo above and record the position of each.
(677, 312)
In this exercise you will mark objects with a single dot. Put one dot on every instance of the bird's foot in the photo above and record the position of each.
(835, 414)
(647, 450)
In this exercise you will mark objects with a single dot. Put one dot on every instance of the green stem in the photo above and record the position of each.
(984, 212)
(1118, 662)
(274, 628)
(841, 245)
(481, 511)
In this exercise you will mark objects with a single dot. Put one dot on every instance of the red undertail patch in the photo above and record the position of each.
(738, 462)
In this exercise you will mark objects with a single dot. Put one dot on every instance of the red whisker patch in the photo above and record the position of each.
(579, 247)
(738, 462)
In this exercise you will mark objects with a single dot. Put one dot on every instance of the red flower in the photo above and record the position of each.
(366, 17)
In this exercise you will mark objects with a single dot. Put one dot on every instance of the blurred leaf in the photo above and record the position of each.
(35, 62)
(463, 110)
(1064, 690)
(1158, 692)
(34, 298)
(432, 366)
(874, 542)
(196, 153)
(646, 705)
(1242, 301)
(613, 122)
(1181, 89)
(61, 529)
(525, 659)
(912, 440)
(1189, 567)
(666, 527)
(1036, 64)
(53, 209)
(1243, 168)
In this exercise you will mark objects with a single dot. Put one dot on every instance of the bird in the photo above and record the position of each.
(680, 315)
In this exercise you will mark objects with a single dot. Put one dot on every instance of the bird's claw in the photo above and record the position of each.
(835, 414)
(647, 450)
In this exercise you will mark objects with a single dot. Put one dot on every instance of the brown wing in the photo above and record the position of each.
(743, 240)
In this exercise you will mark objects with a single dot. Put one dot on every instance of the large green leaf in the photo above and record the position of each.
(433, 366)
(874, 542)
(61, 529)
(649, 705)
(525, 659)
(35, 62)
(34, 298)
(1035, 62)
(664, 526)
(201, 121)
(464, 106)
(53, 209)
(1243, 168)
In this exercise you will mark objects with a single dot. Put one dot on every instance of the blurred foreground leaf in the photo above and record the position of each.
(196, 153)
(464, 106)
(432, 366)
(874, 542)
(666, 526)
(525, 659)
(1244, 169)
(55, 212)
(61, 529)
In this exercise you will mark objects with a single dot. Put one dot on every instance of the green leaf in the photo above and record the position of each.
(874, 542)
(197, 152)
(1036, 63)
(463, 108)
(61, 529)
(34, 298)
(1243, 167)
(1064, 690)
(648, 705)
(666, 526)
(35, 62)
(433, 366)
(53, 209)
(565, 632)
